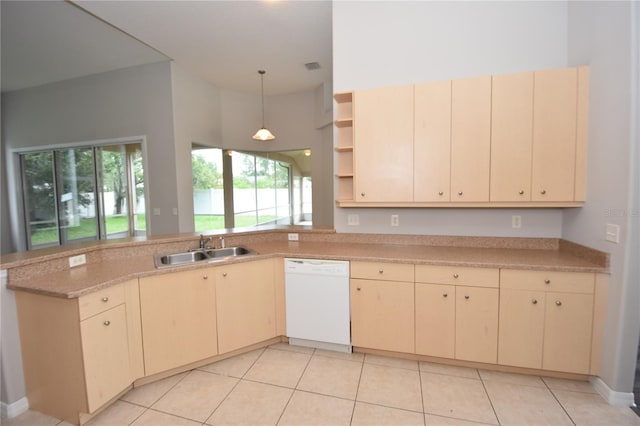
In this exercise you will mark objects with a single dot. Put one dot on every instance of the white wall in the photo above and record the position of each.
(129, 102)
(196, 118)
(389, 43)
(605, 36)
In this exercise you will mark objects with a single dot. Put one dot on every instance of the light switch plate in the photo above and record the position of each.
(395, 220)
(293, 236)
(353, 220)
(613, 233)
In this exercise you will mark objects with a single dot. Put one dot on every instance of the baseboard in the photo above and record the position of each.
(9, 411)
(620, 399)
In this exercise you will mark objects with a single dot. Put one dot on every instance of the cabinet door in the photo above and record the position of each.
(432, 142)
(567, 332)
(511, 136)
(435, 320)
(178, 319)
(106, 355)
(382, 315)
(477, 324)
(521, 328)
(554, 134)
(383, 144)
(246, 304)
(470, 139)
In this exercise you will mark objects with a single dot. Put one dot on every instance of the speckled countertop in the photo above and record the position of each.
(133, 259)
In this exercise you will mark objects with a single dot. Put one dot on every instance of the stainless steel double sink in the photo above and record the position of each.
(200, 255)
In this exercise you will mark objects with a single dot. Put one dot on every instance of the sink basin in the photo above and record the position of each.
(180, 258)
(196, 256)
(226, 252)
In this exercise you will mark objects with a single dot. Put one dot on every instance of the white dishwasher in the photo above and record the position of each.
(317, 303)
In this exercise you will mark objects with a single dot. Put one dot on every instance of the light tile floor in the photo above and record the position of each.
(288, 385)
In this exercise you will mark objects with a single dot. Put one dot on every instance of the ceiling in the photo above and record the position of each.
(223, 42)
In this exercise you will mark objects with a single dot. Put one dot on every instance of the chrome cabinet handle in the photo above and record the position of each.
(466, 297)
(362, 194)
(358, 288)
(224, 274)
(107, 323)
(558, 303)
(444, 295)
(459, 192)
(521, 192)
(534, 301)
(381, 271)
(455, 275)
(543, 192)
(105, 299)
(205, 277)
(440, 193)
(547, 281)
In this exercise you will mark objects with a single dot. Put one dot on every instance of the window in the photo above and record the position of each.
(262, 188)
(82, 193)
(208, 189)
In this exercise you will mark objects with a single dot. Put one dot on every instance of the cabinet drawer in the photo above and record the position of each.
(100, 301)
(382, 271)
(457, 275)
(569, 282)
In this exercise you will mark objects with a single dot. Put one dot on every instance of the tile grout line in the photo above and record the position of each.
(355, 397)
(295, 388)
(484, 386)
(240, 379)
(558, 401)
(424, 420)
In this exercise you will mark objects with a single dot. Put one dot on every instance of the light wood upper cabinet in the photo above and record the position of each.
(246, 304)
(432, 142)
(178, 318)
(554, 134)
(514, 140)
(511, 136)
(383, 144)
(470, 139)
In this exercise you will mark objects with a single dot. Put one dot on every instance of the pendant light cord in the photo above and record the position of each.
(262, 72)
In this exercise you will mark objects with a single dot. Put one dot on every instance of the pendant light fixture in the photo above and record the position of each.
(263, 134)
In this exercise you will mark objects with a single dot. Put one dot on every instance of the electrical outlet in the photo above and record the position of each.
(353, 220)
(612, 233)
(156, 211)
(516, 222)
(78, 260)
(175, 211)
(395, 220)
(293, 237)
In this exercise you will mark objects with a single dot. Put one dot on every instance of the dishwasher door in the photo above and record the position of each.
(317, 303)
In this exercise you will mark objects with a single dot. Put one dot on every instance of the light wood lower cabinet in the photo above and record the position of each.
(178, 319)
(382, 306)
(477, 324)
(382, 315)
(78, 354)
(105, 355)
(246, 304)
(435, 320)
(521, 328)
(567, 332)
(545, 329)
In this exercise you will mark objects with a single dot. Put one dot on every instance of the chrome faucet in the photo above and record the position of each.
(204, 241)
